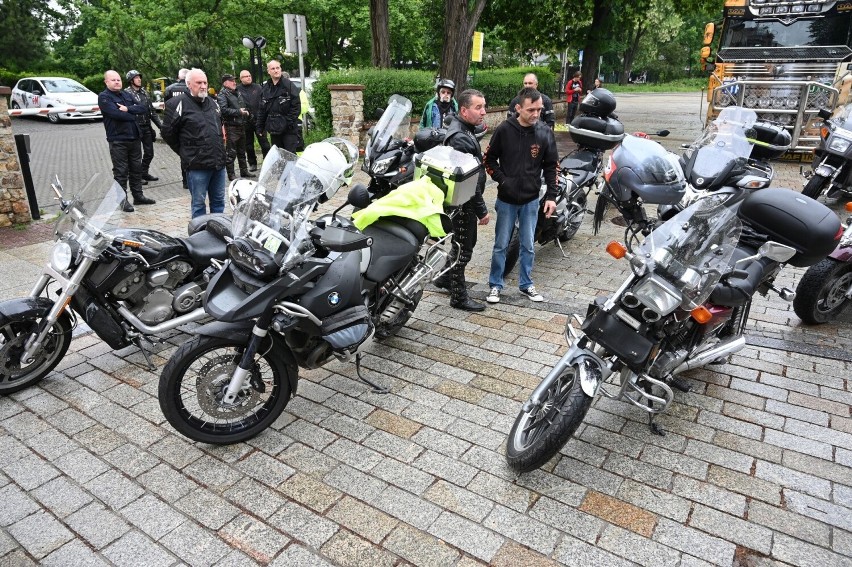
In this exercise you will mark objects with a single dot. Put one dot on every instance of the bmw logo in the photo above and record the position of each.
(333, 298)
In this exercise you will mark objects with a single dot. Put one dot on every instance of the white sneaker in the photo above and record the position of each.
(531, 293)
(494, 296)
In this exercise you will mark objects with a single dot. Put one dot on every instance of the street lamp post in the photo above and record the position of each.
(254, 45)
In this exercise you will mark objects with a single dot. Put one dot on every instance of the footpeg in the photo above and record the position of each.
(681, 384)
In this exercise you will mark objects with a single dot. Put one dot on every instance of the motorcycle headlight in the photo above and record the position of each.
(61, 256)
(839, 145)
(382, 165)
(658, 295)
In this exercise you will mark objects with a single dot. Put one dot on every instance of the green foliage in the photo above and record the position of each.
(23, 32)
(502, 85)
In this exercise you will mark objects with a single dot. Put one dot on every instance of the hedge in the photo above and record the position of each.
(498, 85)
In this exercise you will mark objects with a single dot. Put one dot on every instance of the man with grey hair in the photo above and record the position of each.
(178, 88)
(192, 127)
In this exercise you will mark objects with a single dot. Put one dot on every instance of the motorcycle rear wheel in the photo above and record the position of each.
(13, 335)
(821, 293)
(195, 379)
(814, 186)
(537, 436)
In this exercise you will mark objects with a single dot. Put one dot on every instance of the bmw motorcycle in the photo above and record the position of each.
(127, 284)
(832, 171)
(684, 305)
(300, 293)
(825, 291)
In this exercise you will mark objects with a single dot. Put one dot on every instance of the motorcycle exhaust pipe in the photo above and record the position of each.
(721, 350)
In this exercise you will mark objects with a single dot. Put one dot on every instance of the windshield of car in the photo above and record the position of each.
(63, 86)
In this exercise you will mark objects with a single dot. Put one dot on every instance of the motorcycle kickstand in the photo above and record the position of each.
(559, 243)
(138, 342)
(376, 388)
(655, 428)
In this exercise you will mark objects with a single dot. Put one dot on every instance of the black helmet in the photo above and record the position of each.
(132, 74)
(599, 102)
(445, 84)
(644, 169)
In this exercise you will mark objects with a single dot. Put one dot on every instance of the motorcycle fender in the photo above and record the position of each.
(24, 308)
(593, 370)
(825, 170)
(242, 330)
(843, 254)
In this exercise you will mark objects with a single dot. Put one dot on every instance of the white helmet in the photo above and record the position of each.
(332, 161)
(240, 190)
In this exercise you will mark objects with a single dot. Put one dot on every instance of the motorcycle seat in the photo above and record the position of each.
(734, 292)
(582, 165)
(204, 245)
(394, 245)
(217, 223)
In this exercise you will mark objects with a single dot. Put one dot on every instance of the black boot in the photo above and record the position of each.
(246, 174)
(459, 298)
(142, 200)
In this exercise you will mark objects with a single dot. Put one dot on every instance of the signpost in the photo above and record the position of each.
(295, 41)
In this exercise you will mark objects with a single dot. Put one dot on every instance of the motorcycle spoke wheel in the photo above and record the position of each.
(821, 293)
(16, 375)
(576, 214)
(193, 386)
(537, 435)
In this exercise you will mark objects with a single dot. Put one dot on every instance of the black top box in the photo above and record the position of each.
(596, 133)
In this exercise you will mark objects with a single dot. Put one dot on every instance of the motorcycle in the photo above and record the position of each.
(684, 305)
(832, 173)
(825, 290)
(596, 130)
(389, 152)
(299, 293)
(127, 284)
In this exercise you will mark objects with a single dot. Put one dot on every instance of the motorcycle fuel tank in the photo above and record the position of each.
(156, 246)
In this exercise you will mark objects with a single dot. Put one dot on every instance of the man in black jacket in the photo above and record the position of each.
(146, 132)
(177, 88)
(252, 95)
(548, 116)
(460, 136)
(521, 149)
(119, 112)
(192, 127)
(234, 115)
(279, 110)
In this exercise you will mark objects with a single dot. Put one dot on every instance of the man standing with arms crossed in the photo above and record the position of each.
(460, 137)
(252, 94)
(521, 149)
(140, 95)
(279, 110)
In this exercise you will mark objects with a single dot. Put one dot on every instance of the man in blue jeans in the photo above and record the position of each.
(192, 127)
(521, 149)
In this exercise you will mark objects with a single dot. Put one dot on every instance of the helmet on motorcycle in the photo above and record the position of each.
(599, 102)
(445, 84)
(332, 165)
(132, 74)
(644, 169)
(240, 190)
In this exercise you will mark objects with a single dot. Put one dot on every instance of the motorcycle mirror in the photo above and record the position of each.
(776, 251)
(824, 113)
(663, 133)
(378, 113)
(359, 196)
(448, 119)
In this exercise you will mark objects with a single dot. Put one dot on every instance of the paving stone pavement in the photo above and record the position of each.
(756, 468)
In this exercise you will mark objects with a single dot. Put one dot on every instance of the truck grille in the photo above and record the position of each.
(833, 54)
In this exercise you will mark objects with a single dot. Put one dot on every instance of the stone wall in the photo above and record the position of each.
(13, 197)
(347, 112)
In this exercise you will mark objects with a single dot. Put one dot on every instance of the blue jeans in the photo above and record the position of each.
(507, 214)
(203, 183)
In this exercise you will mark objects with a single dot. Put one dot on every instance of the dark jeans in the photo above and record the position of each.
(235, 148)
(289, 141)
(126, 158)
(147, 148)
(572, 110)
(251, 134)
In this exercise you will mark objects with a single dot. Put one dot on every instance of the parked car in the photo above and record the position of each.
(48, 92)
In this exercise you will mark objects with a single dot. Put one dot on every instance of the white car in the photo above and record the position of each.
(55, 92)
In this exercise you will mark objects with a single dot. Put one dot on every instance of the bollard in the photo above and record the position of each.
(22, 142)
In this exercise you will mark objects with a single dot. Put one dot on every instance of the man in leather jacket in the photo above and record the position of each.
(234, 115)
(177, 88)
(548, 116)
(192, 127)
(279, 110)
(119, 112)
(146, 132)
(252, 95)
(460, 136)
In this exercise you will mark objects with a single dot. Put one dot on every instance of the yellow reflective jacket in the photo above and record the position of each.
(420, 200)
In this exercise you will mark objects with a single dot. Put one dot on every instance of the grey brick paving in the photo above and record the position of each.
(756, 458)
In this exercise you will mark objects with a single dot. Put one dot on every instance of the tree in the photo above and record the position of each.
(460, 20)
(381, 33)
(23, 32)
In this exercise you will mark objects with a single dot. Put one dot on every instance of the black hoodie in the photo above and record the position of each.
(516, 158)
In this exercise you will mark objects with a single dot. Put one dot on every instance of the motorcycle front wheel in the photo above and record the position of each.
(14, 375)
(194, 382)
(814, 186)
(538, 435)
(821, 293)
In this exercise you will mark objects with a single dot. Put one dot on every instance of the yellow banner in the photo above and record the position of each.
(476, 52)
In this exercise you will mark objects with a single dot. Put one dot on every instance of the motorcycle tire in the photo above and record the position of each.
(195, 378)
(813, 188)
(573, 225)
(513, 252)
(14, 331)
(821, 293)
(536, 437)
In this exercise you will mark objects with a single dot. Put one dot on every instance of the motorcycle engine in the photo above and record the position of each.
(156, 295)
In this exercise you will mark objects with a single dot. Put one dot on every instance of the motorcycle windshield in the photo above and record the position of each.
(693, 249)
(724, 141)
(90, 216)
(276, 215)
(393, 125)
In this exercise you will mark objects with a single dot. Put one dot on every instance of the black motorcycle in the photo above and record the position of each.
(684, 305)
(127, 284)
(299, 293)
(832, 172)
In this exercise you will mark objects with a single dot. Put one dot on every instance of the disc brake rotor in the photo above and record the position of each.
(211, 385)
